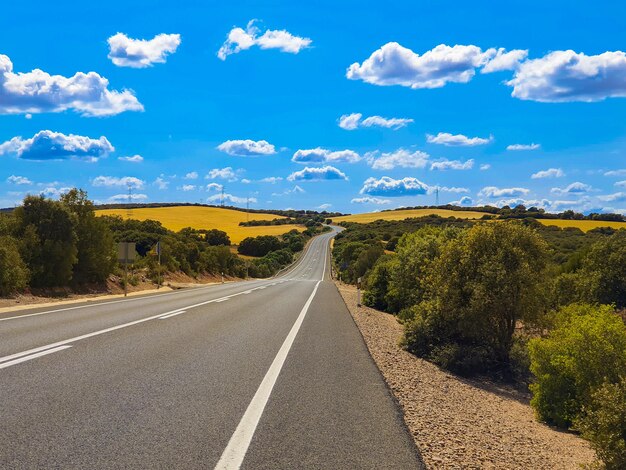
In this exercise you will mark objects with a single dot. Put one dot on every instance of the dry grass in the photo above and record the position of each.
(179, 217)
(405, 214)
(584, 225)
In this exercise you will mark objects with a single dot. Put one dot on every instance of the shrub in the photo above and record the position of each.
(377, 283)
(605, 268)
(13, 272)
(586, 348)
(604, 424)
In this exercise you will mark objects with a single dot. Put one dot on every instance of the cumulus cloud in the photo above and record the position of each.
(324, 206)
(370, 200)
(247, 148)
(214, 187)
(317, 174)
(493, 191)
(574, 188)
(549, 173)
(620, 196)
(447, 189)
(19, 180)
(112, 181)
(621, 172)
(40, 92)
(320, 155)
(562, 76)
(161, 183)
(485, 166)
(188, 187)
(353, 121)
(464, 201)
(226, 173)
(452, 165)
(192, 175)
(458, 140)
(401, 158)
(390, 187)
(132, 159)
(126, 197)
(140, 53)
(621, 184)
(295, 190)
(240, 39)
(271, 179)
(53, 192)
(517, 147)
(231, 198)
(48, 145)
(505, 60)
(393, 64)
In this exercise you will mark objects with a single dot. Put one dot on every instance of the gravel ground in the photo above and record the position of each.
(459, 423)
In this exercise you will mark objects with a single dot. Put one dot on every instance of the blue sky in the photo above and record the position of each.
(446, 93)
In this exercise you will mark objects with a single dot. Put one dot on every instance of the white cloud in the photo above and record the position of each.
(485, 166)
(295, 190)
(112, 181)
(574, 188)
(223, 173)
(271, 179)
(40, 92)
(231, 198)
(324, 206)
(370, 200)
(48, 145)
(464, 201)
(493, 191)
(393, 64)
(214, 187)
(161, 183)
(317, 174)
(543, 203)
(240, 39)
(246, 181)
(516, 147)
(320, 155)
(458, 140)
(140, 53)
(390, 187)
(446, 189)
(247, 148)
(621, 196)
(353, 121)
(125, 197)
(401, 158)
(188, 187)
(505, 60)
(621, 184)
(193, 175)
(19, 180)
(452, 165)
(563, 76)
(549, 173)
(616, 173)
(53, 192)
(132, 159)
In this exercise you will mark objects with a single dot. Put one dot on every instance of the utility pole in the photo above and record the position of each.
(129, 211)
(222, 199)
(437, 196)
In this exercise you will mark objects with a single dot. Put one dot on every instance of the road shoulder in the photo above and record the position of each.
(459, 423)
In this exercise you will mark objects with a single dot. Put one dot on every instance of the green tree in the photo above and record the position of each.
(586, 348)
(46, 230)
(96, 256)
(13, 271)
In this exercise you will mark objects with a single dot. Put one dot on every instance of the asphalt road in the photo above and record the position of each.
(254, 374)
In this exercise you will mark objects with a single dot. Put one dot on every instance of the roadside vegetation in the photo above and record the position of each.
(513, 300)
(47, 244)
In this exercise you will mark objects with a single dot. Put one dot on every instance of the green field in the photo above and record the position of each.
(178, 217)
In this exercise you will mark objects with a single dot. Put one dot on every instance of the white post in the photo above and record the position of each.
(222, 278)
(358, 292)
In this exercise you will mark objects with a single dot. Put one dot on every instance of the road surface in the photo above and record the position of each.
(253, 374)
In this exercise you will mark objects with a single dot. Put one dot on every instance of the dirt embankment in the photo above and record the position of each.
(459, 423)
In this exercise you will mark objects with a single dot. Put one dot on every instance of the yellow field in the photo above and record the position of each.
(405, 214)
(584, 225)
(179, 217)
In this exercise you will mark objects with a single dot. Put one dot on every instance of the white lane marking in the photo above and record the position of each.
(113, 328)
(235, 451)
(103, 304)
(32, 356)
(165, 317)
(248, 292)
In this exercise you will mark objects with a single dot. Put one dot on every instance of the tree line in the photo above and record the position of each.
(513, 300)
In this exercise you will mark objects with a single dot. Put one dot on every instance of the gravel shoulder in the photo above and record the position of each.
(459, 423)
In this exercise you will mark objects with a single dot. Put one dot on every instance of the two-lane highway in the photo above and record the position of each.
(254, 374)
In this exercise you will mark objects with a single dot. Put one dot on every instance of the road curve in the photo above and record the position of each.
(254, 374)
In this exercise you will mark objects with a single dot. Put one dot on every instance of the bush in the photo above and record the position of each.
(604, 424)
(259, 246)
(377, 283)
(13, 272)
(586, 348)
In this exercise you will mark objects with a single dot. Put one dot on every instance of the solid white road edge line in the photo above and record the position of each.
(235, 451)
(33, 356)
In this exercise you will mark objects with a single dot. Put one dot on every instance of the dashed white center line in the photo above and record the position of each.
(33, 356)
(170, 315)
